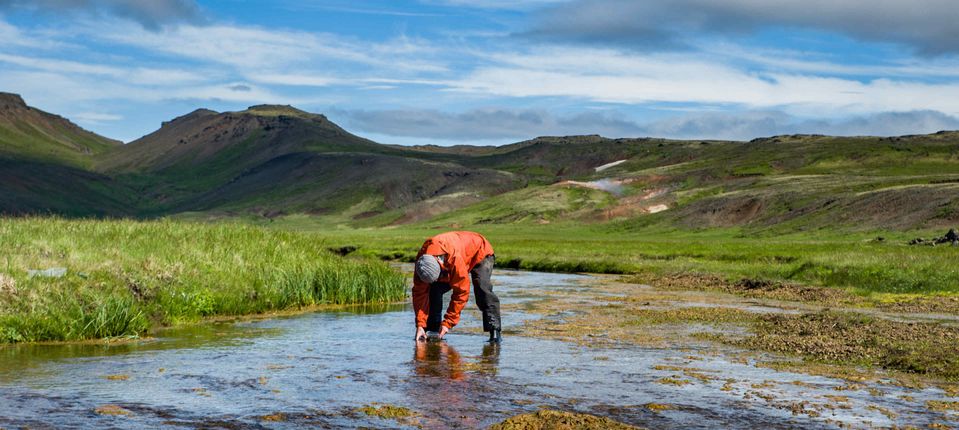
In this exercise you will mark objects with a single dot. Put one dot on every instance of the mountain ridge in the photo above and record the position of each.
(277, 160)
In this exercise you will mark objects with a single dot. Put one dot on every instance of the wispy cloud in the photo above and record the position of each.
(496, 4)
(133, 75)
(95, 117)
(611, 76)
(254, 49)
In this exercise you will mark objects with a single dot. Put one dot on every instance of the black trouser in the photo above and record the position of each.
(486, 300)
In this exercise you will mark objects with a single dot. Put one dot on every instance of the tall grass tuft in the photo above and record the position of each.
(125, 277)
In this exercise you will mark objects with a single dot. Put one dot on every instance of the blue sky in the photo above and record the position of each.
(495, 71)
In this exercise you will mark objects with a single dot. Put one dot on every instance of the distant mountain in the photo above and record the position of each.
(30, 133)
(232, 139)
(278, 159)
(44, 165)
(271, 161)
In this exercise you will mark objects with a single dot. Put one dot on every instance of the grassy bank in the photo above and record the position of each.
(829, 258)
(125, 277)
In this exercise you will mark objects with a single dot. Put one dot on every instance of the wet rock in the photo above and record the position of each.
(951, 237)
(53, 272)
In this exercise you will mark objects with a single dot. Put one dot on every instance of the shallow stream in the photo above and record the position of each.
(318, 369)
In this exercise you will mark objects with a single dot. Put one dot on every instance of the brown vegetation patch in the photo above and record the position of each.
(795, 292)
(704, 315)
(658, 407)
(921, 304)
(556, 420)
(673, 381)
(112, 410)
(8, 286)
(849, 338)
(117, 377)
(277, 417)
(401, 415)
(753, 288)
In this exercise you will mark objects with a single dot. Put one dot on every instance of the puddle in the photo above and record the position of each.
(325, 369)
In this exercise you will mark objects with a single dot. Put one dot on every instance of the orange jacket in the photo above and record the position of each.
(464, 250)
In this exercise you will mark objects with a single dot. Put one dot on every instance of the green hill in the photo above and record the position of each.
(45, 165)
(274, 161)
(29, 133)
(796, 182)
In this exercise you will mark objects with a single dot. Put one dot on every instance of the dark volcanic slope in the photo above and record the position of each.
(235, 139)
(31, 187)
(328, 183)
(280, 159)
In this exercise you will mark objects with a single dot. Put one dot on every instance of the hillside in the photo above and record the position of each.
(44, 165)
(792, 182)
(30, 133)
(274, 161)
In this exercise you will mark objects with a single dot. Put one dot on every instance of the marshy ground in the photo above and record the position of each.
(623, 351)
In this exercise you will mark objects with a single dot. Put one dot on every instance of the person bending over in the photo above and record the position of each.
(447, 262)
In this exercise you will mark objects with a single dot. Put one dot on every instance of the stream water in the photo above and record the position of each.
(317, 369)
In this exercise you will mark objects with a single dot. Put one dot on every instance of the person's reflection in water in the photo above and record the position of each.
(449, 396)
(490, 359)
(439, 359)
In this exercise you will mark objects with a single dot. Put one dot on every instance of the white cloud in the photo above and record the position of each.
(294, 80)
(610, 76)
(254, 50)
(94, 117)
(135, 75)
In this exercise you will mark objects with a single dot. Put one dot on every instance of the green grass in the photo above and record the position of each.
(125, 277)
(829, 258)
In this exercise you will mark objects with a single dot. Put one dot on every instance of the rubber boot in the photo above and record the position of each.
(495, 336)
